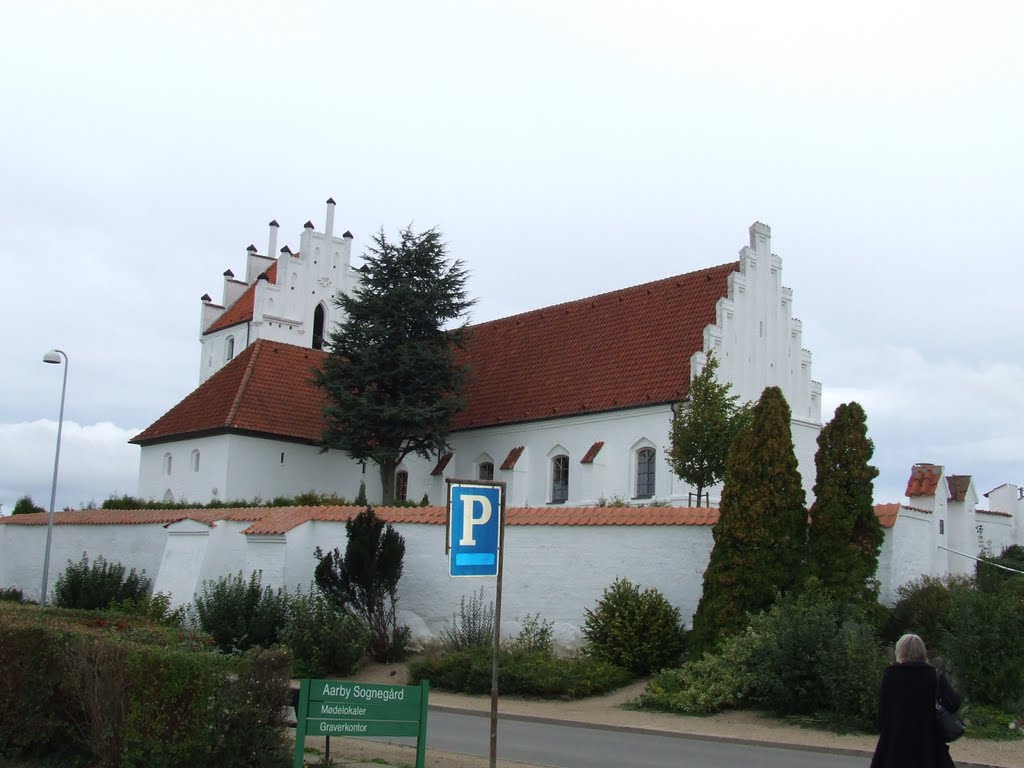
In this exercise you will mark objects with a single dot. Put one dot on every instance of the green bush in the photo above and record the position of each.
(712, 683)
(238, 613)
(12, 594)
(985, 650)
(322, 638)
(640, 631)
(819, 657)
(116, 690)
(808, 655)
(98, 585)
(523, 673)
(472, 626)
(990, 578)
(535, 636)
(923, 607)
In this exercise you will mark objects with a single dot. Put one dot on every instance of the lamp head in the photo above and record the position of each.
(52, 357)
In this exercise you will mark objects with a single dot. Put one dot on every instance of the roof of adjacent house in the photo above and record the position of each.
(924, 479)
(267, 389)
(279, 520)
(241, 310)
(624, 349)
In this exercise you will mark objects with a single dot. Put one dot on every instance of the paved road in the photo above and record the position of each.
(568, 746)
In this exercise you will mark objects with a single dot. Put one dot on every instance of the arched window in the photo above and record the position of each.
(167, 464)
(319, 316)
(485, 470)
(559, 479)
(645, 473)
(401, 485)
(168, 496)
(195, 459)
(229, 349)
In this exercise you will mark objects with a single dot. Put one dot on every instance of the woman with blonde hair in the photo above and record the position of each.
(908, 736)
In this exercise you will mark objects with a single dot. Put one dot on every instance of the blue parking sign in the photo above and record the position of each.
(474, 528)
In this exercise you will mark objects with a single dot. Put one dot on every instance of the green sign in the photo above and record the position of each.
(342, 708)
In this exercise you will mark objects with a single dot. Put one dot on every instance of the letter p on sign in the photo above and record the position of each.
(474, 525)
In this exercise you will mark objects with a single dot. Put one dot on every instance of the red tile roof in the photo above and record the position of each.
(512, 458)
(887, 514)
(957, 486)
(591, 454)
(924, 478)
(241, 311)
(441, 464)
(266, 389)
(279, 520)
(622, 349)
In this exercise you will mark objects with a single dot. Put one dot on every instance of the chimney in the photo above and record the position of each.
(329, 224)
(272, 245)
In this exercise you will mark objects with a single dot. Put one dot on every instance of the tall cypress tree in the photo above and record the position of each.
(761, 534)
(391, 378)
(845, 536)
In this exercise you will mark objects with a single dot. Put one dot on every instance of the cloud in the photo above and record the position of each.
(95, 462)
(967, 417)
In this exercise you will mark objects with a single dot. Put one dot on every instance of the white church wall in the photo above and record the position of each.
(235, 467)
(186, 481)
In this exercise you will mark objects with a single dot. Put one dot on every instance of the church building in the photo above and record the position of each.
(569, 404)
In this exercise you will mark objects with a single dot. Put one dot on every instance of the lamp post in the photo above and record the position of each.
(54, 356)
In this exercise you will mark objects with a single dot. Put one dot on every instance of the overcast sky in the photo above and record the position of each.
(563, 148)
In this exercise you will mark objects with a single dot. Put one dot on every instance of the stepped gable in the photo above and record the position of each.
(266, 389)
(623, 349)
(241, 311)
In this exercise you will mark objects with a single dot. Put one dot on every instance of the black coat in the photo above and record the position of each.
(906, 718)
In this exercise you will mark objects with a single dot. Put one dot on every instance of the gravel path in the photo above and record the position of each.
(607, 710)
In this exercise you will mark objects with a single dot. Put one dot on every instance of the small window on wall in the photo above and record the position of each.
(559, 479)
(645, 473)
(401, 485)
(167, 464)
(195, 459)
(229, 349)
(318, 326)
(485, 471)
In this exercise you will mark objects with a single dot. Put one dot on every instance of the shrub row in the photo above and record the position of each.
(123, 691)
(524, 673)
(809, 655)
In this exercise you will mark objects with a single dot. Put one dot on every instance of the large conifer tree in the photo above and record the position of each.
(845, 536)
(703, 428)
(761, 533)
(391, 375)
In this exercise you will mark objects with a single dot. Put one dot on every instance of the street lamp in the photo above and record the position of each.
(54, 356)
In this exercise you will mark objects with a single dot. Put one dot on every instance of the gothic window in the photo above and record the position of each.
(645, 473)
(401, 485)
(559, 479)
(167, 464)
(195, 459)
(318, 326)
(229, 349)
(485, 471)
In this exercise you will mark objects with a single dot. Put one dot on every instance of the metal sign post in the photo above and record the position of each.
(475, 545)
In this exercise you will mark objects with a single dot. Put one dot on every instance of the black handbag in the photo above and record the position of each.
(949, 726)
